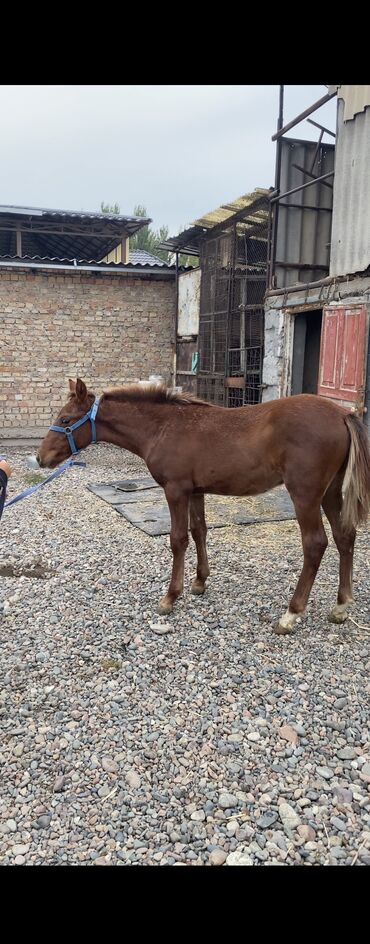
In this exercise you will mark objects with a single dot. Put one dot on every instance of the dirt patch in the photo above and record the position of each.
(32, 571)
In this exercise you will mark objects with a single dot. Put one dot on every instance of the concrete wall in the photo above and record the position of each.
(189, 303)
(274, 356)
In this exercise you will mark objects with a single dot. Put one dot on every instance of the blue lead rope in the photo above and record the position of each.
(53, 475)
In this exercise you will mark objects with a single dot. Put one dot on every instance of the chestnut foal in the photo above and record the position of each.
(192, 448)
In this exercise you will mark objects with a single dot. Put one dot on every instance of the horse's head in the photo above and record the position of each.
(56, 445)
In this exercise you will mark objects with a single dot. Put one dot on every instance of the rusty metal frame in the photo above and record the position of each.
(303, 115)
(242, 335)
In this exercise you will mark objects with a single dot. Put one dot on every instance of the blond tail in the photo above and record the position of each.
(356, 484)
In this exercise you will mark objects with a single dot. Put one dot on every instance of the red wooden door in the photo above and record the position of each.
(342, 369)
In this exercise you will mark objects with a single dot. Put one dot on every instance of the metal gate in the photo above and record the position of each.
(231, 323)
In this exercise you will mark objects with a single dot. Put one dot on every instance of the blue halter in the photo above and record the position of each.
(69, 430)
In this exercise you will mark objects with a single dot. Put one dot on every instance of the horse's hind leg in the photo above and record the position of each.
(178, 502)
(332, 505)
(198, 529)
(314, 543)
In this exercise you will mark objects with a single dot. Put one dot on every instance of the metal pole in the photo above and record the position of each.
(277, 185)
(310, 183)
(174, 376)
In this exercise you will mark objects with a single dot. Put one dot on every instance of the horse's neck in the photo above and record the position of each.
(131, 426)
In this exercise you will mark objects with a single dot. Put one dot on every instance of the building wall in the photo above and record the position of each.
(108, 329)
(189, 302)
(274, 354)
(279, 332)
(116, 254)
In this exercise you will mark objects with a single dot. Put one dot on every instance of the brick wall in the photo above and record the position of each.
(105, 328)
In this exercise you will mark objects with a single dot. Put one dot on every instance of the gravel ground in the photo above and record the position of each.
(217, 742)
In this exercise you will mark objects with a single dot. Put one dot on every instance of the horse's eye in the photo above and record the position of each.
(65, 420)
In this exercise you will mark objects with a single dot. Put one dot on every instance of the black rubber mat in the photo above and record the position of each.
(142, 502)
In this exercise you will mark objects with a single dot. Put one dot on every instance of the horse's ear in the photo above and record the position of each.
(72, 385)
(81, 390)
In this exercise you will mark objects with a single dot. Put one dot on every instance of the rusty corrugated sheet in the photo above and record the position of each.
(350, 241)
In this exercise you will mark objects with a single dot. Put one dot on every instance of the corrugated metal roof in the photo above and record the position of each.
(186, 242)
(253, 214)
(142, 257)
(356, 98)
(72, 263)
(228, 210)
(350, 239)
(73, 214)
(63, 233)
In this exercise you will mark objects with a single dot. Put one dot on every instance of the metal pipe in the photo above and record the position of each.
(308, 173)
(301, 287)
(305, 206)
(174, 374)
(114, 268)
(309, 183)
(303, 115)
(310, 122)
(277, 186)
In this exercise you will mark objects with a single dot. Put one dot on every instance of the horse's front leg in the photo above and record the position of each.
(178, 503)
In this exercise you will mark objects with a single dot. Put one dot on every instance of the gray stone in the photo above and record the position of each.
(21, 850)
(267, 820)
(325, 772)
(288, 816)
(43, 822)
(227, 801)
(239, 858)
(217, 857)
(346, 753)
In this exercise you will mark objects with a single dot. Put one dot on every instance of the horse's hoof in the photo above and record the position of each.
(285, 624)
(281, 629)
(337, 616)
(197, 587)
(165, 606)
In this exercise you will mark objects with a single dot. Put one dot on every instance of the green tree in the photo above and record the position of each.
(146, 238)
(187, 260)
(112, 209)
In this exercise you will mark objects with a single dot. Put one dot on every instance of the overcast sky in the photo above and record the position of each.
(180, 150)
